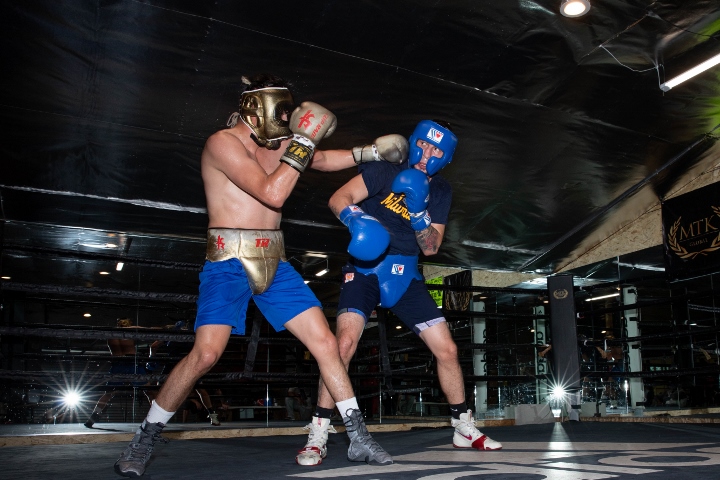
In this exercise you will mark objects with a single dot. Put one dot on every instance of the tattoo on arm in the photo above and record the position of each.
(428, 239)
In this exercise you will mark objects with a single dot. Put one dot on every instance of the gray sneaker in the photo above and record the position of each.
(133, 459)
(362, 446)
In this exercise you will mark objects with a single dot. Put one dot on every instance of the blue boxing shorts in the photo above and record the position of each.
(360, 294)
(225, 294)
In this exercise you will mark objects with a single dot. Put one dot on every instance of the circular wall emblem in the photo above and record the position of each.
(560, 294)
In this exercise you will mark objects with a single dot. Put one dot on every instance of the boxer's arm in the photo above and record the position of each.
(430, 238)
(225, 155)
(332, 160)
(368, 237)
(353, 192)
(391, 148)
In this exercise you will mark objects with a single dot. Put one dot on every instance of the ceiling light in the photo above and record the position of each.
(306, 281)
(574, 8)
(87, 315)
(601, 297)
(690, 73)
(119, 266)
(5, 278)
(104, 273)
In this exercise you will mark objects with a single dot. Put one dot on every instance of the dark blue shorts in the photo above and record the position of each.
(361, 294)
(225, 294)
(127, 368)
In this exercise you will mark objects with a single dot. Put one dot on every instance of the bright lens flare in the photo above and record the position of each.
(71, 399)
(558, 392)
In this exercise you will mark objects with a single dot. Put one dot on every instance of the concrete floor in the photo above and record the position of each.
(422, 450)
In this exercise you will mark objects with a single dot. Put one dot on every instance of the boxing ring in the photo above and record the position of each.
(498, 342)
(498, 347)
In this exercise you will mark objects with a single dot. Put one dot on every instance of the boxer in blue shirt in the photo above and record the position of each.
(394, 212)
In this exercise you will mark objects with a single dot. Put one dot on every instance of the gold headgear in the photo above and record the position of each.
(262, 109)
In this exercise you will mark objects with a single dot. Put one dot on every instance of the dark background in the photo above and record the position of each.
(567, 145)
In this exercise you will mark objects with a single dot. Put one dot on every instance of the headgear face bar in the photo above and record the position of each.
(262, 110)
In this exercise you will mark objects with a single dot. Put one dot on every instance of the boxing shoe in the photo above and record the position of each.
(133, 459)
(468, 436)
(316, 447)
(363, 448)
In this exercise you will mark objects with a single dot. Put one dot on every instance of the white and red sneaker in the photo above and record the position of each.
(316, 447)
(468, 436)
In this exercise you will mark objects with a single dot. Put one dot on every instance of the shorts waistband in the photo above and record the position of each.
(227, 243)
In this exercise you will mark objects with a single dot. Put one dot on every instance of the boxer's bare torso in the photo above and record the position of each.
(246, 185)
(233, 171)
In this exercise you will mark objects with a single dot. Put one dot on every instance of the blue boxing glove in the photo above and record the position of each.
(416, 187)
(369, 239)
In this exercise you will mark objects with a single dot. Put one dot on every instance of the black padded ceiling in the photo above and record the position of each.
(565, 135)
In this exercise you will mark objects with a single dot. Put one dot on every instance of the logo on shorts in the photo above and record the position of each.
(262, 242)
(398, 269)
(219, 243)
(349, 277)
(435, 135)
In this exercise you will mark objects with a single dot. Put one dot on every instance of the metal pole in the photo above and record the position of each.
(380, 406)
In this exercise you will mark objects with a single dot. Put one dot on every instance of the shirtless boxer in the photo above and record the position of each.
(249, 171)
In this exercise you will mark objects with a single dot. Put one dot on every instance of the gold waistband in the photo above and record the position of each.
(259, 251)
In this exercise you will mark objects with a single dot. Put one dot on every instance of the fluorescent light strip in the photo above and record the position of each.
(640, 267)
(603, 296)
(690, 73)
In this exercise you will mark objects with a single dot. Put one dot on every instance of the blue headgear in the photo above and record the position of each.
(434, 134)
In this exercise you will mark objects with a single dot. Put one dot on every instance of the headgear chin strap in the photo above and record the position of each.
(262, 110)
(434, 134)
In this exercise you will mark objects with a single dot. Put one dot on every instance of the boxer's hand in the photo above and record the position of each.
(391, 148)
(369, 239)
(416, 187)
(309, 123)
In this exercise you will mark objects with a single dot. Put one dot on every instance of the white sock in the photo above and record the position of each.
(158, 415)
(345, 405)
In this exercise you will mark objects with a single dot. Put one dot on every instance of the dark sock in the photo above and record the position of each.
(456, 410)
(321, 412)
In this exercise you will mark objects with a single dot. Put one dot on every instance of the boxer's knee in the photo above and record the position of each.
(203, 358)
(347, 346)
